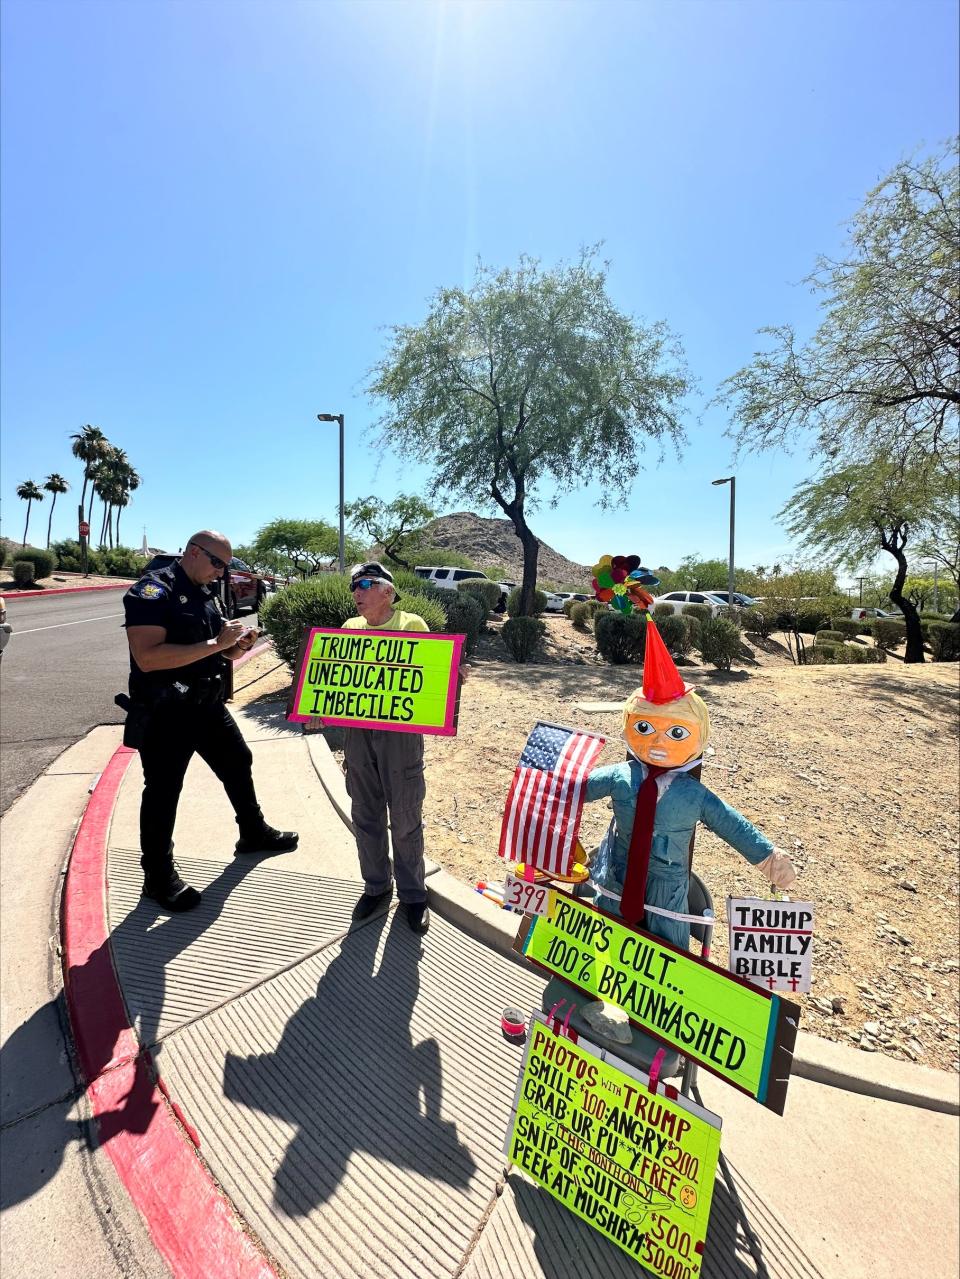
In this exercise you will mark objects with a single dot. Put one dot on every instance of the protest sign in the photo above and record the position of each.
(635, 1164)
(402, 681)
(771, 942)
(743, 1034)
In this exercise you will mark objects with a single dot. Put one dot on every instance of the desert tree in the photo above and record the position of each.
(30, 493)
(530, 382)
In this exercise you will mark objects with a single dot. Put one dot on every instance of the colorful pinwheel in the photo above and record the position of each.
(618, 580)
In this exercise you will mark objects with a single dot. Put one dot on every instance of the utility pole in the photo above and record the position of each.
(338, 417)
(731, 480)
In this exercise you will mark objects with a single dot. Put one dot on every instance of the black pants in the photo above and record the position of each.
(171, 738)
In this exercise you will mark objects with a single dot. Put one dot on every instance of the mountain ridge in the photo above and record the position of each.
(493, 543)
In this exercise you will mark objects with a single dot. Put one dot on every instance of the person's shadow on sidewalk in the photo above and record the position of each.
(347, 1075)
(25, 1051)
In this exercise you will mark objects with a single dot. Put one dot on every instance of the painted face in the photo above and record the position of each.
(665, 740)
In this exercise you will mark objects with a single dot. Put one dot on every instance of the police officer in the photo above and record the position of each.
(180, 643)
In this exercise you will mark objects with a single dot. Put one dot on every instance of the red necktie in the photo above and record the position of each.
(638, 855)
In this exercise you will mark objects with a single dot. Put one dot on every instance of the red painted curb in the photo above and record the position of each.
(190, 1221)
(42, 592)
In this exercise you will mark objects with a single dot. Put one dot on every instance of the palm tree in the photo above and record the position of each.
(30, 494)
(130, 483)
(54, 484)
(90, 445)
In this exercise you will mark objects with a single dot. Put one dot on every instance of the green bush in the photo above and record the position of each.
(487, 593)
(325, 600)
(836, 637)
(44, 562)
(465, 616)
(945, 641)
(3, 554)
(513, 602)
(662, 610)
(693, 625)
(620, 639)
(700, 611)
(521, 635)
(581, 615)
(888, 634)
(755, 621)
(568, 606)
(843, 655)
(122, 561)
(23, 572)
(719, 641)
(848, 627)
(675, 633)
(68, 556)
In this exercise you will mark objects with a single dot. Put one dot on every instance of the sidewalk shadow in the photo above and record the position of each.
(349, 1078)
(30, 1043)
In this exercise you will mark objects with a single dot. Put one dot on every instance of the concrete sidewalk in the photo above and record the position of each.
(349, 1088)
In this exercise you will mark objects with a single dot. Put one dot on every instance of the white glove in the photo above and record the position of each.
(778, 869)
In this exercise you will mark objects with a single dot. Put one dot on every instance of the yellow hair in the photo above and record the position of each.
(690, 707)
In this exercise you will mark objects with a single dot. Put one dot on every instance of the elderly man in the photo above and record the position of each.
(180, 644)
(385, 773)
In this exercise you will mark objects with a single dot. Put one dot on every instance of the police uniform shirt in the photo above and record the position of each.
(188, 613)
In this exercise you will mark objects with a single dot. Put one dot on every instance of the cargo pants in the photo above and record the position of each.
(385, 775)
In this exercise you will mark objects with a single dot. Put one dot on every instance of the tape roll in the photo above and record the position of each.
(513, 1024)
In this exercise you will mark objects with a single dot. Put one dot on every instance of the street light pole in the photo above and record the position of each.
(338, 417)
(731, 480)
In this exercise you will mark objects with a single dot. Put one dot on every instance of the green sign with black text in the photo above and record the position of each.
(738, 1032)
(635, 1164)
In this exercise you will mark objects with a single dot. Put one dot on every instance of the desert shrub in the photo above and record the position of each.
(408, 584)
(755, 621)
(945, 641)
(662, 610)
(465, 616)
(888, 634)
(810, 617)
(122, 561)
(699, 611)
(675, 633)
(68, 556)
(44, 562)
(581, 615)
(488, 593)
(521, 635)
(620, 639)
(568, 606)
(693, 625)
(23, 572)
(836, 637)
(325, 600)
(513, 602)
(719, 641)
(848, 627)
(3, 554)
(827, 654)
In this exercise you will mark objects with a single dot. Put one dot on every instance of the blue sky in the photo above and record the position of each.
(211, 211)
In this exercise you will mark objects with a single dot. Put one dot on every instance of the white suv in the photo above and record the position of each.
(449, 578)
(678, 600)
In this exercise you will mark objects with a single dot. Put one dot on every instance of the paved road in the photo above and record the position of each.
(66, 659)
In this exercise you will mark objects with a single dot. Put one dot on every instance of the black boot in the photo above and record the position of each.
(265, 839)
(162, 884)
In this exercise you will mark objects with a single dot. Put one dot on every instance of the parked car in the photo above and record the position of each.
(554, 601)
(678, 600)
(449, 579)
(5, 627)
(858, 614)
(739, 599)
(240, 586)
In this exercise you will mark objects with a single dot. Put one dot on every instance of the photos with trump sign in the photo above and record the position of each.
(401, 681)
(636, 1162)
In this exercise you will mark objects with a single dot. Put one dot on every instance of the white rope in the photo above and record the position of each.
(707, 917)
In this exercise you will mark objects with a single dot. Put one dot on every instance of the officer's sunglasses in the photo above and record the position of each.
(215, 560)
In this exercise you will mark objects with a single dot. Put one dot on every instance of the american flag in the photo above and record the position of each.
(542, 816)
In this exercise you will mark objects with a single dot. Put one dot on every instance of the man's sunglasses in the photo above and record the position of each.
(215, 560)
(362, 584)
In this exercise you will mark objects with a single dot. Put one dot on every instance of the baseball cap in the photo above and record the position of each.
(374, 571)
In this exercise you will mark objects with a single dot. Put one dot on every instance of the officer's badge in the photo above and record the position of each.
(150, 591)
(183, 599)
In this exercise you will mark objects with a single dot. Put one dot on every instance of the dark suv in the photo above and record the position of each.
(240, 586)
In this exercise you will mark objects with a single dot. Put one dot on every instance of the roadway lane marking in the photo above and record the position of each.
(58, 625)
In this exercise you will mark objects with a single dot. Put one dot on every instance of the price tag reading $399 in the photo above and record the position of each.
(532, 899)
